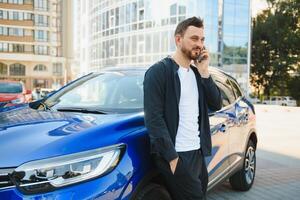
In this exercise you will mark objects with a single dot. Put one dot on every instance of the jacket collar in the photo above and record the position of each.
(175, 66)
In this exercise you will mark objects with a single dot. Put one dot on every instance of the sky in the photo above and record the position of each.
(258, 6)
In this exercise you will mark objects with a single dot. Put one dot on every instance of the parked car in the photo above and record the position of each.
(281, 100)
(288, 101)
(14, 92)
(254, 100)
(88, 140)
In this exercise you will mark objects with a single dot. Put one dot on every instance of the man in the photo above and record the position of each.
(36, 94)
(178, 91)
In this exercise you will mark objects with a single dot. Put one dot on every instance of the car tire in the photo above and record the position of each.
(243, 179)
(154, 191)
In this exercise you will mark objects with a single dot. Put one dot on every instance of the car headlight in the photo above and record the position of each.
(48, 174)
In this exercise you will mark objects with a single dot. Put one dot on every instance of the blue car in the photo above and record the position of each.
(88, 141)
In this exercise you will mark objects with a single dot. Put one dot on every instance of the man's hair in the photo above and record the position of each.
(183, 25)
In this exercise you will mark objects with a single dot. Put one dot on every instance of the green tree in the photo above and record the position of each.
(294, 88)
(275, 46)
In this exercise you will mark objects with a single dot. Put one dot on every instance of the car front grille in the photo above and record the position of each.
(5, 181)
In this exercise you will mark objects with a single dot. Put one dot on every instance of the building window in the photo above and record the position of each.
(18, 48)
(41, 36)
(17, 69)
(12, 1)
(3, 47)
(41, 50)
(173, 9)
(28, 16)
(3, 30)
(41, 20)
(40, 67)
(41, 5)
(28, 1)
(16, 32)
(57, 69)
(12, 15)
(3, 69)
(3, 14)
(15, 15)
(42, 83)
(182, 10)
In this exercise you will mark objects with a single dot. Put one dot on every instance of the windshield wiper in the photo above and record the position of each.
(46, 106)
(82, 110)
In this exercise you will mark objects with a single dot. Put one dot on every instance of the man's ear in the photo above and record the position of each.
(178, 39)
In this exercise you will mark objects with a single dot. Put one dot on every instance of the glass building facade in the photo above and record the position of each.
(140, 32)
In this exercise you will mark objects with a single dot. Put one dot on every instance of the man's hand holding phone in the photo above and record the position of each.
(202, 63)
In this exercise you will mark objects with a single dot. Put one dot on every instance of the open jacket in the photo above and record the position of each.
(161, 100)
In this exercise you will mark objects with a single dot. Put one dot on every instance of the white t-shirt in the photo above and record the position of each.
(187, 137)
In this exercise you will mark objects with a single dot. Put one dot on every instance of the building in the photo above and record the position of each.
(140, 32)
(34, 44)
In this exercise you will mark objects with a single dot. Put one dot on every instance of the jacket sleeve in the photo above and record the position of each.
(212, 94)
(154, 92)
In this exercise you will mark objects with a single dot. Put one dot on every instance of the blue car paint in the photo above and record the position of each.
(27, 134)
(48, 134)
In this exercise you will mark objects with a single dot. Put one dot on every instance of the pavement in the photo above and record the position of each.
(278, 158)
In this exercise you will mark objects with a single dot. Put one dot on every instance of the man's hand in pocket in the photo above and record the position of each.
(173, 164)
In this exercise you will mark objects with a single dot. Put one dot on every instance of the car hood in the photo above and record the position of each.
(8, 97)
(27, 134)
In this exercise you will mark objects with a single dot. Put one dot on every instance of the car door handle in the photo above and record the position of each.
(246, 117)
(223, 128)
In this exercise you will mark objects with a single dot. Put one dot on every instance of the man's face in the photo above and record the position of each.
(192, 42)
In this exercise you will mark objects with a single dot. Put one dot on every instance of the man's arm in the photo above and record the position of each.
(154, 91)
(212, 94)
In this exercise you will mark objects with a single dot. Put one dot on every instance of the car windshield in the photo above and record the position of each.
(11, 88)
(107, 92)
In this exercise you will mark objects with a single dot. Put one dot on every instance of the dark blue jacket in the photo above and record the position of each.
(161, 99)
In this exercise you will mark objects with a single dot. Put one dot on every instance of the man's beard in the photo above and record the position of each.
(189, 54)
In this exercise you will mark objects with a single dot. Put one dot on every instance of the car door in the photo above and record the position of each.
(239, 132)
(220, 125)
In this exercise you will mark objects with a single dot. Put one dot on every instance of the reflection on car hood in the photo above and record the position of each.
(27, 134)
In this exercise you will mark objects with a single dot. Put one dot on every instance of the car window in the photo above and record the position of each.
(107, 91)
(223, 84)
(226, 92)
(225, 99)
(11, 88)
(236, 89)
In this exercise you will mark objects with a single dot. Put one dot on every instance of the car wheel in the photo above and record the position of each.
(243, 179)
(154, 191)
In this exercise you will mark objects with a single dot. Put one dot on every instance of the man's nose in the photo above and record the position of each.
(200, 44)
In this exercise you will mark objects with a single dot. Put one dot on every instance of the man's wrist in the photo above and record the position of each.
(204, 74)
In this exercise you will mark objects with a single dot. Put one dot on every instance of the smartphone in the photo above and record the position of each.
(201, 57)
